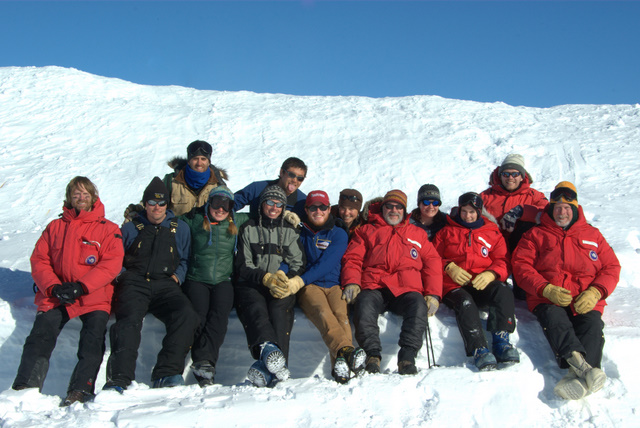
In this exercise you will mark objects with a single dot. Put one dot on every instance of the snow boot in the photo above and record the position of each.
(571, 387)
(76, 396)
(355, 358)
(407, 368)
(373, 364)
(272, 357)
(114, 386)
(593, 376)
(503, 350)
(168, 381)
(341, 372)
(204, 372)
(484, 360)
(259, 375)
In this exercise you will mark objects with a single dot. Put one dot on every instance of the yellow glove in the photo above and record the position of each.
(292, 218)
(483, 279)
(293, 286)
(432, 305)
(587, 300)
(276, 283)
(350, 292)
(459, 275)
(558, 295)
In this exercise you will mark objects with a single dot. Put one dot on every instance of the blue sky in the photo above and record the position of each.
(537, 54)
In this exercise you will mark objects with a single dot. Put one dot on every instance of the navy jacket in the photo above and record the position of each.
(183, 239)
(250, 195)
(324, 250)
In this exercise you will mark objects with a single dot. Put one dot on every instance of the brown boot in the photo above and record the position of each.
(373, 364)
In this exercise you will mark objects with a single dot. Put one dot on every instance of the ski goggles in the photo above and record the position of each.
(352, 198)
(300, 178)
(563, 194)
(514, 174)
(427, 202)
(472, 199)
(218, 202)
(199, 149)
(274, 203)
(314, 208)
(153, 203)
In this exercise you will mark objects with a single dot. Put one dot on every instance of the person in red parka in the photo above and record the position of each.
(568, 269)
(391, 265)
(475, 258)
(72, 265)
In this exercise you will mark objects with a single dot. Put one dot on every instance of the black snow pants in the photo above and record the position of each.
(40, 343)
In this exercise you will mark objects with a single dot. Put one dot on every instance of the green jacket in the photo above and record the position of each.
(212, 253)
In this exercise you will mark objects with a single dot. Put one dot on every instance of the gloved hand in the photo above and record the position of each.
(131, 212)
(294, 285)
(432, 305)
(350, 292)
(508, 221)
(459, 275)
(483, 279)
(67, 292)
(586, 301)
(558, 295)
(292, 218)
(276, 283)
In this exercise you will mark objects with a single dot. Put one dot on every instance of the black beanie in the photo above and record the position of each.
(156, 190)
(199, 148)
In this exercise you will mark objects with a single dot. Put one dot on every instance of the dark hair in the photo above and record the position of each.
(80, 181)
(294, 163)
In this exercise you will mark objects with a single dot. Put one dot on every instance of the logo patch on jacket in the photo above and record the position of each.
(414, 253)
(484, 251)
(91, 260)
(322, 244)
(593, 255)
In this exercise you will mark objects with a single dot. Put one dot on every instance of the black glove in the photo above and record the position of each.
(68, 292)
(131, 212)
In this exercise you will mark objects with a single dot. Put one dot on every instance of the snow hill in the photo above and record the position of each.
(56, 123)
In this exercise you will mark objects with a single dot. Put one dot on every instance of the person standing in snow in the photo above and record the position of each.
(428, 215)
(214, 235)
(321, 295)
(269, 263)
(190, 183)
(73, 264)
(157, 248)
(292, 173)
(568, 269)
(391, 265)
(474, 256)
(348, 209)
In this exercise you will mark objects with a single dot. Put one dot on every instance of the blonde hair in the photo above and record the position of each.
(231, 230)
(77, 182)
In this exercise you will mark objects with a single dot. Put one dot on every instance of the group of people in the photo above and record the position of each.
(188, 256)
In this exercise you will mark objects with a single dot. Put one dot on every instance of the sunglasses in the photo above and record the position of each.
(300, 178)
(427, 202)
(352, 198)
(274, 203)
(218, 202)
(314, 208)
(391, 206)
(563, 193)
(153, 203)
(506, 174)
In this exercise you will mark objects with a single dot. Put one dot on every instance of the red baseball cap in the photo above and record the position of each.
(317, 197)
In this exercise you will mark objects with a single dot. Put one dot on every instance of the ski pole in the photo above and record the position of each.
(430, 354)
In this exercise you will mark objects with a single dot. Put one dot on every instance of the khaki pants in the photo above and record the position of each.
(328, 312)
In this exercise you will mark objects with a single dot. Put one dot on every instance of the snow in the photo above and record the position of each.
(56, 123)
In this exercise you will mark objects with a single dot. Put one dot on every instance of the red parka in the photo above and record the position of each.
(474, 250)
(498, 201)
(83, 248)
(399, 258)
(573, 259)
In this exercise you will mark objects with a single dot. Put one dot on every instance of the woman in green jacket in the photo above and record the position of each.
(214, 232)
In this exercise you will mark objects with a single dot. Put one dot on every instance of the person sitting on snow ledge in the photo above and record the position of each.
(568, 269)
(475, 258)
(391, 265)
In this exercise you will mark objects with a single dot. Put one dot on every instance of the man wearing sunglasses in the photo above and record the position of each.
(390, 265)
(568, 270)
(321, 296)
(157, 246)
(292, 173)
